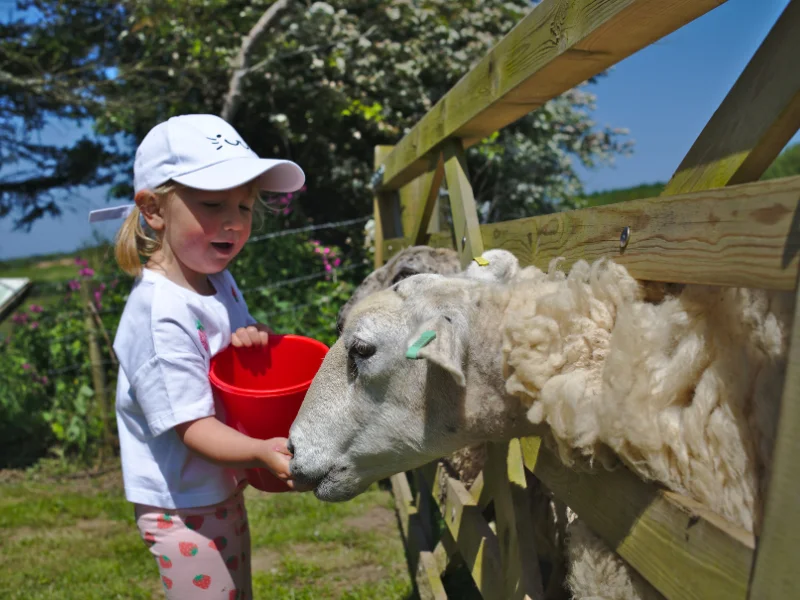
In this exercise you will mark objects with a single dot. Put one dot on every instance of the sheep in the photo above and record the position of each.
(407, 262)
(683, 391)
(464, 463)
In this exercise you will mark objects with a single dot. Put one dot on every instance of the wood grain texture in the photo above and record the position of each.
(419, 200)
(558, 45)
(505, 474)
(776, 574)
(462, 203)
(417, 550)
(378, 203)
(476, 542)
(684, 551)
(429, 584)
(755, 121)
(744, 235)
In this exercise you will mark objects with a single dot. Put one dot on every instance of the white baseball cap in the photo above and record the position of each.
(205, 152)
(202, 152)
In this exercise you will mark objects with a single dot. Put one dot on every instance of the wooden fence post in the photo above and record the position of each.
(466, 227)
(380, 205)
(97, 369)
(505, 472)
(421, 203)
(384, 207)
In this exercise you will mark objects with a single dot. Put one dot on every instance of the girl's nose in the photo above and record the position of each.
(234, 219)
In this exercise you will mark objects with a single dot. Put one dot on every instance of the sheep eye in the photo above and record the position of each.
(361, 350)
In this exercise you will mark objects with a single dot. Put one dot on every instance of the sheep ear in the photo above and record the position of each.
(441, 342)
(416, 284)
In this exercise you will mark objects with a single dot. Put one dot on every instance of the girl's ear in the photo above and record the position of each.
(151, 209)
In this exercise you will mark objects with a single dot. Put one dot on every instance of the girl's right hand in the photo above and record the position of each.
(275, 457)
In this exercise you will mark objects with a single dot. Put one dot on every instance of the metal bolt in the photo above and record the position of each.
(463, 242)
(624, 237)
(453, 514)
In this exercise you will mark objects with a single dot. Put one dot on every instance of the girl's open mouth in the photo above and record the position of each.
(223, 247)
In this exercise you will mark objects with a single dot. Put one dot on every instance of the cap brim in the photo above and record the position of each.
(274, 175)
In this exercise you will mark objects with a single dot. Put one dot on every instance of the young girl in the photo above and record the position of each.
(196, 184)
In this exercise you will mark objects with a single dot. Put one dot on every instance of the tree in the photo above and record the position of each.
(324, 85)
(51, 68)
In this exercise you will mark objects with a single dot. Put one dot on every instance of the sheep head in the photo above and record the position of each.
(410, 261)
(372, 411)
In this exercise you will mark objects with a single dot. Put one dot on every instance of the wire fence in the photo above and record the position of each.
(102, 331)
(308, 229)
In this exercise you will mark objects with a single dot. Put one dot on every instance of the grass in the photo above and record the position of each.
(76, 539)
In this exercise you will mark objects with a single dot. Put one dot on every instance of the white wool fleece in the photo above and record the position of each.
(685, 392)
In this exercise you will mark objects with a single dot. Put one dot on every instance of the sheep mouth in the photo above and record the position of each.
(337, 485)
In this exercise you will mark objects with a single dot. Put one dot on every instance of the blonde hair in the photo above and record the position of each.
(136, 241)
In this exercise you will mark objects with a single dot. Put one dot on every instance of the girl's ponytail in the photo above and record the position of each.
(133, 242)
(126, 248)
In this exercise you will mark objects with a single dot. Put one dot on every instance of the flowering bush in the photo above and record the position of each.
(48, 400)
(47, 396)
(307, 306)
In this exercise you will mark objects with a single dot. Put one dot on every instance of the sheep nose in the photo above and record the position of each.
(290, 446)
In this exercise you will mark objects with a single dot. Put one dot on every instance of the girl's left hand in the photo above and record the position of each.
(252, 335)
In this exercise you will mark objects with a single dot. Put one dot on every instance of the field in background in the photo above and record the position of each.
(786, 165)
(73, 537)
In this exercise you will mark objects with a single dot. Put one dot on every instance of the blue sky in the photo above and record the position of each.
(664, 95)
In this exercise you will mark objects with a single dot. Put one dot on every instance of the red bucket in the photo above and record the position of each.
(262, 390)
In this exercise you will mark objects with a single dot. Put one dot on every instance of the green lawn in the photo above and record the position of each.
(76, 539)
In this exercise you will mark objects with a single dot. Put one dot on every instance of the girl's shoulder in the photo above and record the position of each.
(158, 309)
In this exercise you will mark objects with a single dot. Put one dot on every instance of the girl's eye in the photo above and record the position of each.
(246, 208)
(212, 204)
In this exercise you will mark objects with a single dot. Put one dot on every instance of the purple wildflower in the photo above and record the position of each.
(81, 262)
(87, 272)
(26, 366)
(35, 325)
(74, 285)
(35, 308)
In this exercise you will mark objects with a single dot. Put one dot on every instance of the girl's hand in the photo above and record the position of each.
(275, 456)
(252, 335)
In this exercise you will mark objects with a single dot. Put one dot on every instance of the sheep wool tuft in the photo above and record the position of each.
(685, 391)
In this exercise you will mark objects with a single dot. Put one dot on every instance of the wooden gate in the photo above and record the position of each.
(714, 224)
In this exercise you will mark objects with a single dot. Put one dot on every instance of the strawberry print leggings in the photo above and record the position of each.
(202, 553)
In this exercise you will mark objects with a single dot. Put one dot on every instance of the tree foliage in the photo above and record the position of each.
(323, 86)
(53, 63)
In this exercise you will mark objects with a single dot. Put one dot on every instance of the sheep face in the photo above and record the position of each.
(371, 411)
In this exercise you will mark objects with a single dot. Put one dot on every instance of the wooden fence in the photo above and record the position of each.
(714, 224)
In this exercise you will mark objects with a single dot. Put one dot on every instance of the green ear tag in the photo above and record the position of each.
(426, 338)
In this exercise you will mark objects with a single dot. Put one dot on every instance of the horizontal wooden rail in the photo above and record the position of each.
(683, 550)
(746, 235)
(557, 46)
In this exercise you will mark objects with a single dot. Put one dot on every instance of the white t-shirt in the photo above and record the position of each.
(165, 341)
